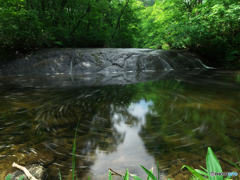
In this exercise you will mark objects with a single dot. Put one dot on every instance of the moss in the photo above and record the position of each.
(97, 58)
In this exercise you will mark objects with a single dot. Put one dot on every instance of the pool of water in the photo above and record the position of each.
(171, 121)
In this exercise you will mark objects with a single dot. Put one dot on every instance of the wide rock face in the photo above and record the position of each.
(102, 60)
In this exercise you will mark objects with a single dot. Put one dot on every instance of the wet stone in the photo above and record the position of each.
(43, 157)
(24, 149)
(174, 169)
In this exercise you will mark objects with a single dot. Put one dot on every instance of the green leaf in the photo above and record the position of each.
(149, 173)
(21, 177)
(158, 170)
(110, 175)
(204, 169)
(149, 178)
(195, 173)
(89, 177)
(136, 177)
(213, 165)
(60, 175)
(126, 177)
(74, 152)
(232, 163)
(201, 172)
(8, 177)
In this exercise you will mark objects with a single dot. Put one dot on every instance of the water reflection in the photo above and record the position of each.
(170, 121)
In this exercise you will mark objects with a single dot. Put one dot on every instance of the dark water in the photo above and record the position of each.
(170, 121)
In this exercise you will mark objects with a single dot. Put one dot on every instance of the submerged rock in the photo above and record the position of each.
(99, 60)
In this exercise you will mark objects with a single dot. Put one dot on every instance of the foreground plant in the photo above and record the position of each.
(126, 177)
(213, 166)
(10, 176)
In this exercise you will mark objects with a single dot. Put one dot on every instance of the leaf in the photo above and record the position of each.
(213, 165)
(60, 175)
(74, 152)
(204, 169)
(195, 173)
(21, 177)
(136, 177)
(8, 177)
(232, 163)
(149, 178)
(110, 175)
(201, 172)
(149, 173)
(158, 170)
(126, 177)
(89, 177)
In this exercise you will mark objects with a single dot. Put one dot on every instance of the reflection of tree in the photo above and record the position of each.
(123, 115)
(55, 114)
(184, 118)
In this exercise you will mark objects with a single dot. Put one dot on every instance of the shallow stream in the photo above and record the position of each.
(171, 121)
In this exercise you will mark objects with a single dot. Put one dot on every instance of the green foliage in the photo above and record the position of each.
(210, 27)
(29, 24)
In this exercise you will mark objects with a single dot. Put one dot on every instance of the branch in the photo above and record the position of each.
(119, 18)
(88, 10)
(31, 4)
(62, 7)
(118, 174)
(31, 177)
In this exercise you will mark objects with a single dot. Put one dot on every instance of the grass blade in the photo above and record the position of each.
(213, 165)
(136, 177)
(151, 170)
(201, 172)
(74, 153)
(60, 175)
(232, 163)
(204, 169)
(237, 157)
(158, 170)
(149, 173)
(126, 177)
(110, 175)
(89, 177)
(195, 173)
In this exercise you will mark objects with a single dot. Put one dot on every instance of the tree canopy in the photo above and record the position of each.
(207, 26)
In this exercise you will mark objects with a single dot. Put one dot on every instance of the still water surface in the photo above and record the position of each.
(170, 121)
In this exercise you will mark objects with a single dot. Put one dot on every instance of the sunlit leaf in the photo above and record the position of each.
(195, 173)
(126, 177)
(213, 165)
(149, 173)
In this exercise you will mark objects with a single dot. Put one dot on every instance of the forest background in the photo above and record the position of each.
(211, 27)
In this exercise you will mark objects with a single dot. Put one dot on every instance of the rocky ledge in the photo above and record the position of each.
(100, 60)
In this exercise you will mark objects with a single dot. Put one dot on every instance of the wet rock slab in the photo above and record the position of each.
(102, 61)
